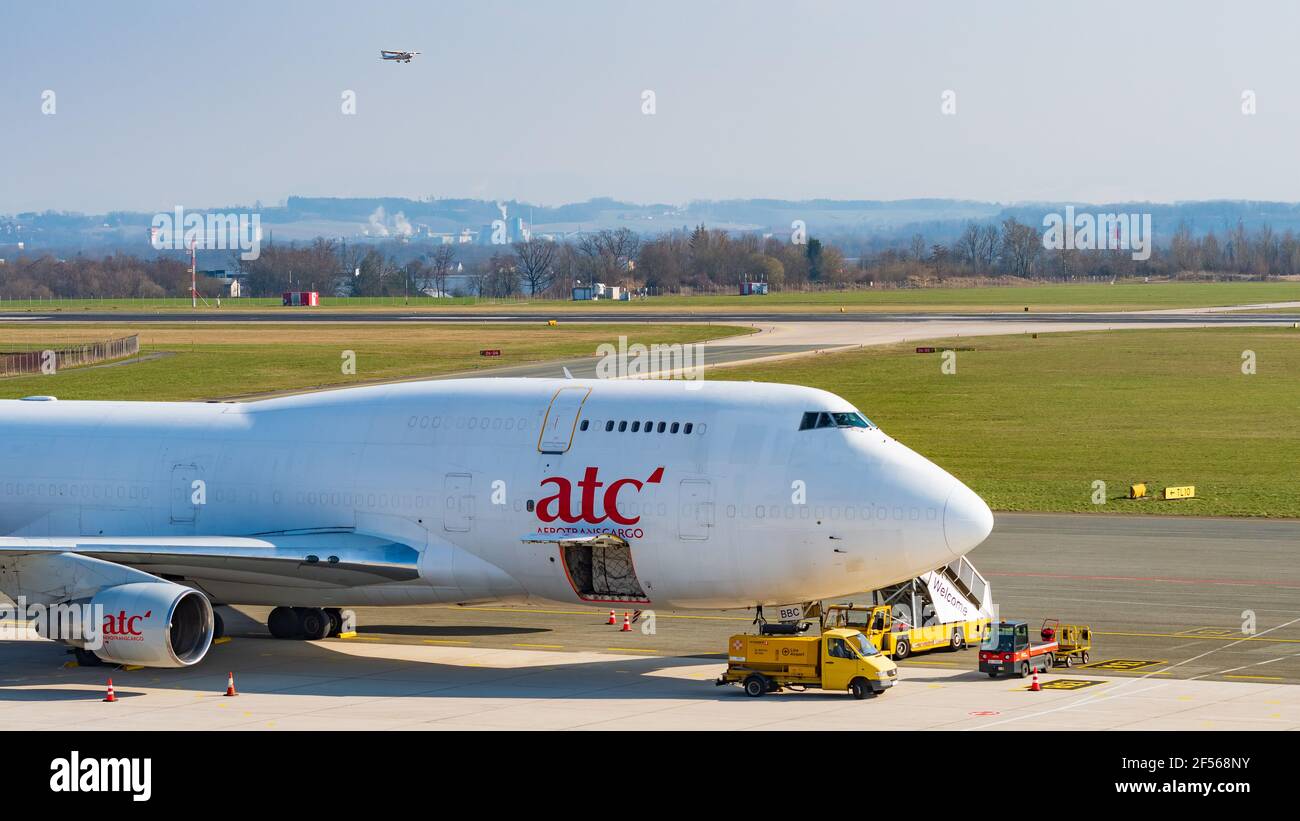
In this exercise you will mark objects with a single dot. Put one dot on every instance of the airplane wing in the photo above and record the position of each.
(340, 558)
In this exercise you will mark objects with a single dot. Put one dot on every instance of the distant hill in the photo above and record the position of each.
(876, 222)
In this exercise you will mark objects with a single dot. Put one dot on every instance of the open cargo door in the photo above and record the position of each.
(598, 567)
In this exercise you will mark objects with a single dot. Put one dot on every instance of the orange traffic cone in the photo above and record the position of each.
(612, 620)
(110, 697)
(1034, 686)
(627, 624)
(230, 685)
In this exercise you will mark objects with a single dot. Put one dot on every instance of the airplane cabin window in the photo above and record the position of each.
(662, 425)
(636, 426)
(622, 426)
(689, 427)
(609, 426)
(674, 428)
(584, 425)
(649, 426)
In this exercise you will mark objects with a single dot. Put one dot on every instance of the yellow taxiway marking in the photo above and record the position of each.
(939, 663)
(443, 641)
(546, 646)
(630, 650)
(222, 640)
(1202, 638)
(1257, 678)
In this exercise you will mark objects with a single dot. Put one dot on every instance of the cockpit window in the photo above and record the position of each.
(850, 420)
(822, 419)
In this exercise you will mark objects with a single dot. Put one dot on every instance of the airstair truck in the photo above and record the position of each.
(950, 608)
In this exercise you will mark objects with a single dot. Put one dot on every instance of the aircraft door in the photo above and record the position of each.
(562, 419)
(695, 509)
(458, 503)
(187, 493)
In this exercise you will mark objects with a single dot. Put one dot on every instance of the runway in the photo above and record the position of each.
(1165, 597)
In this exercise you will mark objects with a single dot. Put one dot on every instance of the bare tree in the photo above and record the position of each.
(1020, 247)
(987, 247)
(918, 247)
(536, 263)
(968, 244)
(441, 263)
(610, 253)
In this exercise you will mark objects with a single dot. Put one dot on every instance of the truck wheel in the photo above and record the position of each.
(1024, 669)
(958, 640)
(901, 649)
(1069, 661)
(993, 675)
(755, 685)
(859, 688)
(1085, 656)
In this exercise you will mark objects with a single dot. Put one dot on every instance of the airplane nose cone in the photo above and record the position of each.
(967, 521)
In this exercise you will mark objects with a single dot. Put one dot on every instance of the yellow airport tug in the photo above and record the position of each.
(838, 659)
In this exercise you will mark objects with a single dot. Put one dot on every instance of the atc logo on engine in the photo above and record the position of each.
(559, 505)
(123, 627)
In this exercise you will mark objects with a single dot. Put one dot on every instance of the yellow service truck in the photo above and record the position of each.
(836, 660)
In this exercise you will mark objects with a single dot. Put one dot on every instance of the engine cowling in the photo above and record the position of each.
(153, 624)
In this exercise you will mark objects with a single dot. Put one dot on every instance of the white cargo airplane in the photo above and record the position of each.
(667, 494)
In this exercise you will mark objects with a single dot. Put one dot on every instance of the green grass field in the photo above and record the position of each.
(224, 361)
(1029, 423)
(1090, 297)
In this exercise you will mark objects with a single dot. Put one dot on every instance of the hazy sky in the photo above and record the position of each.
(168, 103)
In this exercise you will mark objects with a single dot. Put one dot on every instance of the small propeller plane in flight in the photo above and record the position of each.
(398, 56)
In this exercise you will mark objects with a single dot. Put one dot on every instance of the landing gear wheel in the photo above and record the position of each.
(336, 621)
(283, 623)
(958, 640)
(313, 622)
(755, 685)
(85, 658)
(218, 626)
(1024, 669)
(859, 688)
(901, 649)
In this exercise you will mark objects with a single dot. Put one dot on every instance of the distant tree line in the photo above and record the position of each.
(112, 277)
(678, 261)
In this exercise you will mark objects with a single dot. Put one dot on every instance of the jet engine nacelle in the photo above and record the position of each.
(153, 624)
